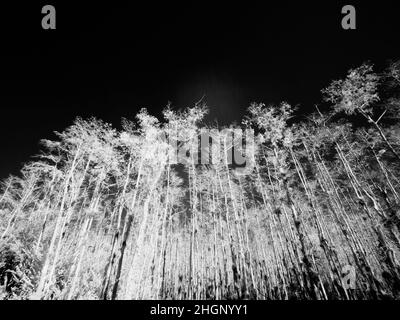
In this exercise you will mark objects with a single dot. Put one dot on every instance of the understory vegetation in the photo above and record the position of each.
(103, 214)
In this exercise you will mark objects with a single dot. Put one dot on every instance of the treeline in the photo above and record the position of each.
(104, 214)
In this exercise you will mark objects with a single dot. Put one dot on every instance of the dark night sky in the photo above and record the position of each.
(110, 60)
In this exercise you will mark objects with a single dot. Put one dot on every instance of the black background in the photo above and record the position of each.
(108, 60)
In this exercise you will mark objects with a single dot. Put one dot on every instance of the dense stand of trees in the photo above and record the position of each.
(104, 214)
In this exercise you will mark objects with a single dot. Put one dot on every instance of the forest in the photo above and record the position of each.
(103, 214)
